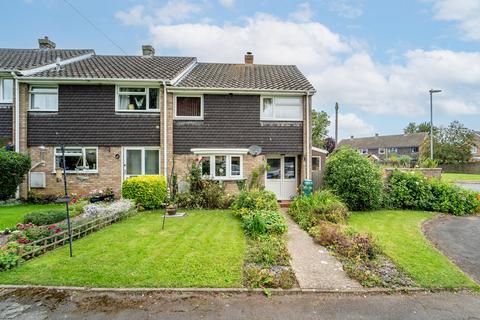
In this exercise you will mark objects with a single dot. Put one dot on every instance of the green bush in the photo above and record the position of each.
(355, 179)
(268, 251)
(42, 218)
(258, 277)
(411, 190)
(9, 256)
(149, 192)
(254, 200)
(13, 168)
(210, 195)
(264, 222)
(323, 205)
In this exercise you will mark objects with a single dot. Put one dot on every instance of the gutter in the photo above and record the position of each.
(213, 90)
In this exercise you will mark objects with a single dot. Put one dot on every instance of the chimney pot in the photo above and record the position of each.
(376, 135)
(248, 58)
(148, 50)
(351, 137)
(46, 43)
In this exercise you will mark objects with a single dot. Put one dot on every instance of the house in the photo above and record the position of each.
(476, 146)
(385, 146)
(319, 157)
(123, 116)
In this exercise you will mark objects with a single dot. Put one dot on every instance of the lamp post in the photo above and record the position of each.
(432, 91)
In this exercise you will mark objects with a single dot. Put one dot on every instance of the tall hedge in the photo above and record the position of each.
(149, 192)
(13, 168)
(355, 179)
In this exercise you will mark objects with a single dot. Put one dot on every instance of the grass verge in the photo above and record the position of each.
(11, 215)
(455, 177)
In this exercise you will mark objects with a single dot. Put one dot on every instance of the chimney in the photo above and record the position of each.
(351, 137)
(148, 50)
(376, 135)
(249, 58)
(46, 43)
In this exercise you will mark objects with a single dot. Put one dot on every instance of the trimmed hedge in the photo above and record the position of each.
(13, 168)
(412, 190)
(149, 192)
(43, 218)
(355, 179)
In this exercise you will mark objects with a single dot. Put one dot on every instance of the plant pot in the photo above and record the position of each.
(171, 210)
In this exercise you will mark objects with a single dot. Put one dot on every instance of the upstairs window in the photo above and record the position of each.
(137, 99)
(6, 90)
(43, 98)
(414, 149)
(363, 151)
(77, 159)
(392, 150)
(189, 107)
(381, 150)
(281, 108)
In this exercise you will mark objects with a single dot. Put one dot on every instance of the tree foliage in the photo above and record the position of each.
(329, 144)
(412, 127)
(13, 168)
(320, 123)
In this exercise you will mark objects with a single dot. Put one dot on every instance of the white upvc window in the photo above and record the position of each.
(77, 159)
(137, 99)
(139, 161)
(316, 163)
(381, 150)
(43, 98)
(222, 167)
(414, 149)
(393, 150)
(6, 90)
(281, 108)
(474, 150)
(363, 151)
(188, 106)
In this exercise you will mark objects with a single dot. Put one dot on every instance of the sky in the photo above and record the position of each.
(376, 58)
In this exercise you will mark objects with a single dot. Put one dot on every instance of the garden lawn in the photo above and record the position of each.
(455, 177)
(11, 215)
(399, 234)
(204, 249)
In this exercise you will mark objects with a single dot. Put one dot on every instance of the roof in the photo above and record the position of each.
(121, 67)
(398, 141)
(23, 59)
(246, 76)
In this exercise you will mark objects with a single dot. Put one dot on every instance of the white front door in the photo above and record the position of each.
(281, 176)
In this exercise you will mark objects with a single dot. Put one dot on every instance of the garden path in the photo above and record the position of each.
(314, 266)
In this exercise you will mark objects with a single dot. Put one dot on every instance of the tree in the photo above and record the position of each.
(13, 168)
(329, 144)
(412, 127)
(451, 144)
(320, 123)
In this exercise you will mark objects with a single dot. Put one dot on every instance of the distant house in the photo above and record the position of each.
(385, 146)
(319, 156)
(476, 147)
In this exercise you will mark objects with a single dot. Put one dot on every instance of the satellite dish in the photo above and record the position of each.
(255, 150)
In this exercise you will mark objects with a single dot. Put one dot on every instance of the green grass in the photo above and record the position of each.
(11, 215)
(453, 177)
(205, 249)
(399, 234)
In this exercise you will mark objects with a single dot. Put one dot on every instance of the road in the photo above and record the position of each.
(48, 304)
(470, 186)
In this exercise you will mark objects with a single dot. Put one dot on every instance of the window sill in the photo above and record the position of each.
(79, 172)
(49, 111)
(281, 120)
(137, 111)
(189, 118)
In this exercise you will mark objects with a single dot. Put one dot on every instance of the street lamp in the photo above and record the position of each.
(432, 91)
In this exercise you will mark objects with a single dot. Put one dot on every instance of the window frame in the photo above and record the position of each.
(146, 93)
(413, 151)
(142, 149)
(474, 150)
(393, 148)
(363, 151)
(55, 154)
(228, 159)
(186, 95)
(30, 93)
(382, 150)
(319, 158)
(274, 106)
(2, 98)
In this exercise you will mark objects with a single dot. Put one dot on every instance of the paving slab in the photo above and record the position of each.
(314, 266)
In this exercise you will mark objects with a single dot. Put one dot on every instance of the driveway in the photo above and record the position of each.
(51, 304)
(458, 238)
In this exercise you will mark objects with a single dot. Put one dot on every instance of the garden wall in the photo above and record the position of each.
(471, 167)
(435, 173)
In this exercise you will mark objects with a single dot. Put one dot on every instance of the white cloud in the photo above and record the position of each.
(303, 14)
(465, 12)
(344, 9)
(227, 3)
(349, 124)
(134, 16)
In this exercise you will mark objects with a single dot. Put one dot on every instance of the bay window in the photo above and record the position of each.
(188, 107)
(43, 98)
(77, 159)
(6, 90)
(222, 167)
(137, 99)
(281, 108)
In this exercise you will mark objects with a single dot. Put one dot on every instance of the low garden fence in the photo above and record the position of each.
(41, 246)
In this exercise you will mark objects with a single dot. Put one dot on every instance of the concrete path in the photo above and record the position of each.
(458, 238)
(90, 305)
(314, 266)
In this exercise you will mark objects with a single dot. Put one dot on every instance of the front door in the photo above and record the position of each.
(281, 176)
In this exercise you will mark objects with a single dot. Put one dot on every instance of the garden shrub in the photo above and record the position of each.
(254, 200)
(149, 192)
(322, 205)
(264, 222)
(13, 168)
(258, 277)
(34, 197)
(42, 218)
(97, 210)
(328, 234)
(412, 190)
(9, 256)
(268, 251)
(354, 178)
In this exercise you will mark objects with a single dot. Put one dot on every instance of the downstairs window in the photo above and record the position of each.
(77, 159)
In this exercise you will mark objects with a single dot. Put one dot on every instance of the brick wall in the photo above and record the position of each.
(108, 176)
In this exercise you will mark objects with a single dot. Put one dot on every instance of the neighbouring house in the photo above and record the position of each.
(476, 147)
(123, 116)
(385, 146)
(319, 156)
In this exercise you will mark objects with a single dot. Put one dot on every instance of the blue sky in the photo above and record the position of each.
(376, 58)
